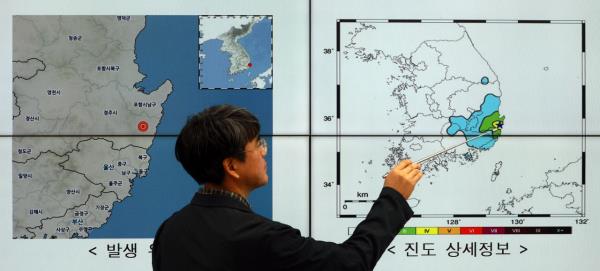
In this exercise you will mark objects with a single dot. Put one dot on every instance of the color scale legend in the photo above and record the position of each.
(483, 230)
(479, 230)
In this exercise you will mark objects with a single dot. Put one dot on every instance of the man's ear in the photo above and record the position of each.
(230, 168)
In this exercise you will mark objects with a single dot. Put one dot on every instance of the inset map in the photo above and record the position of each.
(235, 52)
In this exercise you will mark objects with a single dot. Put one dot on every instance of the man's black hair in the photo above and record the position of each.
(209, 137)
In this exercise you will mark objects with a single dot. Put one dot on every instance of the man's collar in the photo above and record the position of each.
(220, 197)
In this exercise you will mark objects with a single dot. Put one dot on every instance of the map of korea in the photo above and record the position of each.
(74, 105)
(429, 87)
(235, 52)
(437, 85)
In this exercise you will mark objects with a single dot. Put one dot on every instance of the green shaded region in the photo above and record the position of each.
(408, 231)
(493, 122)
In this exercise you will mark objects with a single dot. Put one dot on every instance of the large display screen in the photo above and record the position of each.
(498, 101)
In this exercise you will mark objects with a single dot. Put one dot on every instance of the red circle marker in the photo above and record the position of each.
(142, 126)
(249, 65)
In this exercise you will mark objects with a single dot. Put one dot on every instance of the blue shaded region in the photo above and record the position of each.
(470, 126)
(167, 49)
(258, 46)
(485, 80)
(215, 65)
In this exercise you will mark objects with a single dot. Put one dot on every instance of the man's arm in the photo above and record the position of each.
(287, 250)
(374, 234)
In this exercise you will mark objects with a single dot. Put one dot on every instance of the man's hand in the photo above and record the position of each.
(403, 177)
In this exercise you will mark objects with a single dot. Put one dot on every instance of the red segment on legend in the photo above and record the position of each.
(142, 126)
(471, 230)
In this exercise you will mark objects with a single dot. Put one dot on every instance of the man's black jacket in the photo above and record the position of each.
(217, 232)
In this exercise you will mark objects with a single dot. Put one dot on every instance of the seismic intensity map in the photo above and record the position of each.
(432, 85)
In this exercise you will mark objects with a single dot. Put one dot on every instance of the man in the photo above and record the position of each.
(221, 149)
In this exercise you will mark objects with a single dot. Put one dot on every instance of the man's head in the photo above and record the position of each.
(222, 141)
